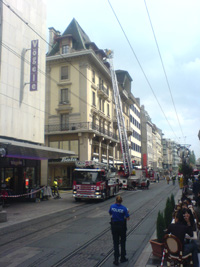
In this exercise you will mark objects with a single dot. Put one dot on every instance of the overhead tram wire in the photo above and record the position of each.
(25, 22)
(141, 68)
(168, 85)
(42, 72)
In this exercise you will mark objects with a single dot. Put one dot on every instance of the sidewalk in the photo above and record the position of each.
(147, 259)
(25, 211)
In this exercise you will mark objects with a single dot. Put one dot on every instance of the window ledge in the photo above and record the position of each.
(61, 83)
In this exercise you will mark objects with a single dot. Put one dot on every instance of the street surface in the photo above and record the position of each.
(80, 235)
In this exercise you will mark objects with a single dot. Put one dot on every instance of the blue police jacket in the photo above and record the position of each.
(118, 212)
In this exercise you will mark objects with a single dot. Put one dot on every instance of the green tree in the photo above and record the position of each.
(192, 159)
(186, 170)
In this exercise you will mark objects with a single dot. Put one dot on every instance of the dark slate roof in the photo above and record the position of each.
(78, 34)
(80, 38)
(121, 76)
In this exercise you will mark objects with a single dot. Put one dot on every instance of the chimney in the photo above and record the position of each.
(52, 34)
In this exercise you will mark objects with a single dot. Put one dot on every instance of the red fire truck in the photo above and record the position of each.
(92, 180)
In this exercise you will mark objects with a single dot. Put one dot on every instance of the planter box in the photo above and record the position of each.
(157, 248)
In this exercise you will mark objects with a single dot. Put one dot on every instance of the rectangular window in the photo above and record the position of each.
(108, 128)
(93, 76)
(64, 145)
(103, 102)
(64, 73)
(54, 144)
(107, 90)
(74, 146)
(100, 81)
(93, 99)
(108, 110)
(100, 103)
(65, 49)
(64, 122)
(64, 98)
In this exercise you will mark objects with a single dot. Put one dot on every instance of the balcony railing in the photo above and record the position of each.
(80, 126)
(103, 90)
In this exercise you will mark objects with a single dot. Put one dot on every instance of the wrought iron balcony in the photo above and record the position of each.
(79, 127)
(103, 91)
(129, 131)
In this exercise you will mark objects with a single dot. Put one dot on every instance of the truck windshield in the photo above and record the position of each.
(86, 177)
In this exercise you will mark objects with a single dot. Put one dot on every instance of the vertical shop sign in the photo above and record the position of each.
(34, 65)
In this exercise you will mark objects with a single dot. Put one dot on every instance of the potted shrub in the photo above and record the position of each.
(173, 202)
(157, 244)
(168, 212)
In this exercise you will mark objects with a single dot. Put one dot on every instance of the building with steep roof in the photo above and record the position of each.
(79, 102)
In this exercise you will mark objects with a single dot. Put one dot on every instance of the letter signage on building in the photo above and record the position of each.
(34, 65)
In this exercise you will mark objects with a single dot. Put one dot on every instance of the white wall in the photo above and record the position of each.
(22, 119)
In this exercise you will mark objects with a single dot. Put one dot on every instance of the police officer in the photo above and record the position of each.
(119, 215)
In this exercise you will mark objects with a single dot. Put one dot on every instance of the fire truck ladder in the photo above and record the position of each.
(120, 118)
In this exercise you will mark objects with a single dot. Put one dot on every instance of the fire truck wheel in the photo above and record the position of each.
(77, 199)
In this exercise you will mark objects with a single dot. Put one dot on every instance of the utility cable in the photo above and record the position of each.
(39, 35)
(168, 85)
(39, 69)
(42, 72)
(141, 67)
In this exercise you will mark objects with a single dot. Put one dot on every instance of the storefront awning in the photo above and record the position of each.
(16, 149)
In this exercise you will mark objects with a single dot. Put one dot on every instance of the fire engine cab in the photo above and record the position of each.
(92, 180)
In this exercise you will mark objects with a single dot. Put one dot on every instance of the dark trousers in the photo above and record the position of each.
(192, 247)
(119, 234)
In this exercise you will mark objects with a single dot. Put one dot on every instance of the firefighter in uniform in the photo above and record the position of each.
(119, 215)
(56, 192)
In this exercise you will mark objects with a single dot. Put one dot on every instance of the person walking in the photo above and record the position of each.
(174, 179)
(168, 179)
(158, 177)
(119, 215)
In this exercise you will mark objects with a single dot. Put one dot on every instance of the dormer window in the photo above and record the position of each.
(65, 49)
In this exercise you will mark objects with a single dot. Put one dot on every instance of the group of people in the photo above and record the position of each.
(186, 219)
(185, 223)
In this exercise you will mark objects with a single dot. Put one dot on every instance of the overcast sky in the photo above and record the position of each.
(172, 98)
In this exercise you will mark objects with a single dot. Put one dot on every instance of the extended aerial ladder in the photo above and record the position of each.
(120, 118)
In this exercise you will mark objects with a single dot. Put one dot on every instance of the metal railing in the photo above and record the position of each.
(103, 89)
(80, 126)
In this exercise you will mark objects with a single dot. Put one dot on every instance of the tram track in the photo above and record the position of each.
(72, 258)
(85, 253)
(46, 222)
